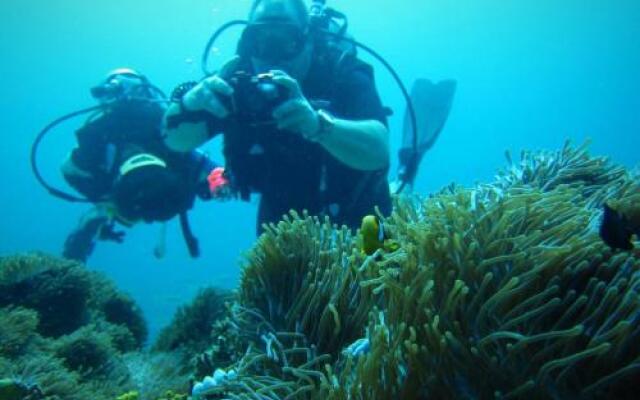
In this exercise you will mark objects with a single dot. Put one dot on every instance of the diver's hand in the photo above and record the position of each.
(296, 114)
(108, 232)
(206, 96)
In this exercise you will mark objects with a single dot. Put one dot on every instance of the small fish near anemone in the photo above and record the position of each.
(375, 236)
(620, 221)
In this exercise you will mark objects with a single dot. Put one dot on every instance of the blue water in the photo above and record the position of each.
(530, 75)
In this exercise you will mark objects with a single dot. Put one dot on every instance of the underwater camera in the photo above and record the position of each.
(255, 97)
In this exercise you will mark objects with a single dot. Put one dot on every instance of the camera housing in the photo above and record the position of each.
(255, 97)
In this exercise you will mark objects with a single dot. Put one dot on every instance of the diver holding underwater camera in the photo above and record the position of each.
(301, 120)
(122, 166)
(255, 97)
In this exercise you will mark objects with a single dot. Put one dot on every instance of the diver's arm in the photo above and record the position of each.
(358, 136)
(181, 133)
(361, 142)
(362, 145)
(197, 113)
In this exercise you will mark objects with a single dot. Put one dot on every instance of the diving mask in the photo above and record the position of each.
(120, 84)
(273, 41)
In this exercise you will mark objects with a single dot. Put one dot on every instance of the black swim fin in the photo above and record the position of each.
(432, 103)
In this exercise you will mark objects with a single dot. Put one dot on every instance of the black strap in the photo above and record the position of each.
(189, 238)
(34, 156)
(214, 125)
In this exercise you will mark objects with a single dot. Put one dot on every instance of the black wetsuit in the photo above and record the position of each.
(103, 144)
(293, 173)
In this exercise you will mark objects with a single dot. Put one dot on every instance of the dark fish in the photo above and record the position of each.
(616, 229)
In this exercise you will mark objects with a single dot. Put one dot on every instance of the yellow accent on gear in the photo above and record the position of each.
(140, 160)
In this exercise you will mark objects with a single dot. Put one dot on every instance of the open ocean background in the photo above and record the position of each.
(531, 74)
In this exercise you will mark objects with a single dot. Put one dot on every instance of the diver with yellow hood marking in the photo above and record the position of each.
(122, 166)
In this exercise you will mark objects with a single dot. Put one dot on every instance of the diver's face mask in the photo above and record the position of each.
(273, 42)
(122, 86)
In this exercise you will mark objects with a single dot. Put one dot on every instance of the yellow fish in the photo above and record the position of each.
(375, 236)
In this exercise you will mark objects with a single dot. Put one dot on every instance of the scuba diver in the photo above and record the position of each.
(302, 121)
(124, 169)
(301, 118)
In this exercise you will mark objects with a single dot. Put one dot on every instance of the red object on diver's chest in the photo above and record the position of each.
(216, 180)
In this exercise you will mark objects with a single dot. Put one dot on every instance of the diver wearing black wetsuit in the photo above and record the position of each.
(329, 156)
(121, 165)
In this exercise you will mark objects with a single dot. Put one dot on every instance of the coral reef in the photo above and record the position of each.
(17, 331)
(502, 290)
(157, 375)
(190, 329)
(117, 308)
(86, 351)
(283, 367)
(58, 340)
(302, 276)
(228, 344)
(505, 291)
(132, 395)
(68, 333)
(57, 289)
(597, 177)
(120, 309)
(66, 295)
(120, 336)
(169, 395)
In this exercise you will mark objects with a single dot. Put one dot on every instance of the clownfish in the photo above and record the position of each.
(375, 236)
